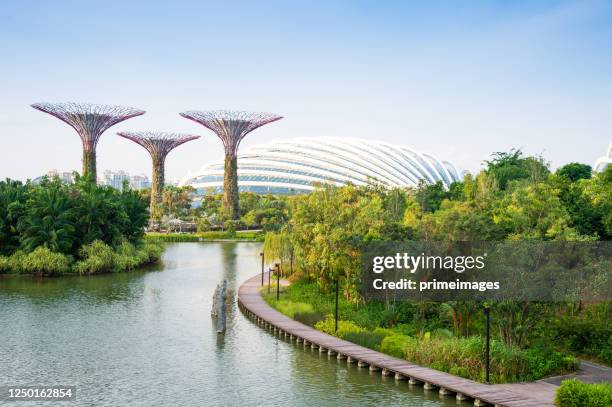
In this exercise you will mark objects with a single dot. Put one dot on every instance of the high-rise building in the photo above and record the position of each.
(116, 179)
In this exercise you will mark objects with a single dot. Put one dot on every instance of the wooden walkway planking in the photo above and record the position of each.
(536, 394)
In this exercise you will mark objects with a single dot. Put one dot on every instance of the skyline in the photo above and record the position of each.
(460, 81)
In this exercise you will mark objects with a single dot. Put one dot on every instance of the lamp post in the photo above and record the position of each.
(262, 267)
(487, 312)
(277, 267)
(269, 274)
(337, 291)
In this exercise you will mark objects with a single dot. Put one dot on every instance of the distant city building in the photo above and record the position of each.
(140, 182)
(602, 162)
(116, 179)
(295, 166)
(63, 176)
(111, 178)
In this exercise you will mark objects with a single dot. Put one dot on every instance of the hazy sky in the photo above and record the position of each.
(459, 79)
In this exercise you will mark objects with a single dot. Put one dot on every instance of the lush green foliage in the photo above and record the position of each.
(40, 261)
(586, 335)
(574, 393)
(64, 217)
(55, 228)
(515, 197)
(506, 167)
(424, 344)
(396, 345)
(575, 171)
(97, 257)
(464, 357)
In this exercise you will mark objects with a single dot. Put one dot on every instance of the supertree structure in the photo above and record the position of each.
(158, 144)
(231, 127)
(89, 121)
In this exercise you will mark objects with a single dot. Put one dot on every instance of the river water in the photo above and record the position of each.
(147, 339)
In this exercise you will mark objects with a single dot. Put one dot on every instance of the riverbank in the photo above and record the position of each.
(95, 258)
(213, 236)
(519, 395)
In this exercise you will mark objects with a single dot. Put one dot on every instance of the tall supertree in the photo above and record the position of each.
(158, 144)
(231, 127)
(89, 121)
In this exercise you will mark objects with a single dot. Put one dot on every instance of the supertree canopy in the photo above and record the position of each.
(158, 144)
(89, 121)
(231, 127)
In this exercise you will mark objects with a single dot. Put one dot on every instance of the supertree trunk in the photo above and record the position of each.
(231, 127)
(231, 206)
(158, 144)
(89, 164)
(157, 186)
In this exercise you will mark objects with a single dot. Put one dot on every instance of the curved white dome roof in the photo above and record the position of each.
(294, 165)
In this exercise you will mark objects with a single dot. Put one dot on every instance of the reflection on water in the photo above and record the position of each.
(147, 339)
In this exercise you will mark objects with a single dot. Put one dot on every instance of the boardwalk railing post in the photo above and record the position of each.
(337, 291)
(277, 267)
(262, 267)
(487, 312)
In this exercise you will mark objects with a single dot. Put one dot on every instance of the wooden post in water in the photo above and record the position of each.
(218, 307)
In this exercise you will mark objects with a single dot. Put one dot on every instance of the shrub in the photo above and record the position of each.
(574, 393)
(368, 339)
(384, 331)
(43, 261)
(442, 333)
(127, 257)
(16, 261)
(395, 345)
(152, 252)
(606, 353)
(508, 364)
(290, 308)
(586, 336)
(308, 318)
(344, 327)
(4, 264)
(96, 257)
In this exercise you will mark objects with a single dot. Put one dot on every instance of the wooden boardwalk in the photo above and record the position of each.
(536, 394)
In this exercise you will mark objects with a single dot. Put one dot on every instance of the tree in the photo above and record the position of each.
(430, 196)
(49, 219)
(533, 212)
(575, 171)
(510, 166)
(598, 191)
(12, 205)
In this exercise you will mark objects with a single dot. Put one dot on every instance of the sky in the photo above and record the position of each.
(457, 79)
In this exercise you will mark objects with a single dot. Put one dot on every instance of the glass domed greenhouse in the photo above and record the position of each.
(297, 165)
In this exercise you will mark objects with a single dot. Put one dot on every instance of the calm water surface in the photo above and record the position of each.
(147, 339)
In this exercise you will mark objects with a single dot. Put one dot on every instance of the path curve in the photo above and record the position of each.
(533, 394)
